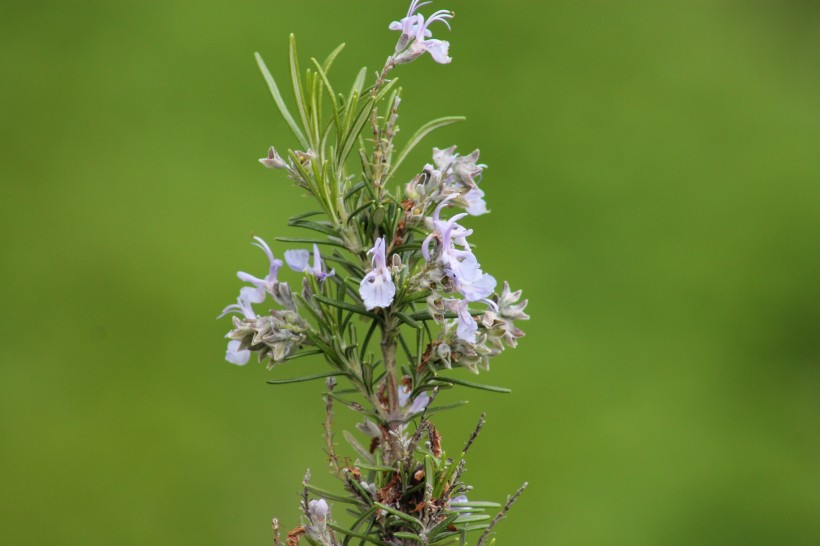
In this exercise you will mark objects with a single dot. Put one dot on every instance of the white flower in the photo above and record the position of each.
(377, 288)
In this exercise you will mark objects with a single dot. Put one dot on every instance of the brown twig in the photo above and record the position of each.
(331, 450)
(414, 440)
(275, 525)
(304, 502)
(510, 501)
(474, 435)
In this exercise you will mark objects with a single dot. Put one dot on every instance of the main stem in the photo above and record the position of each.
(394, 417)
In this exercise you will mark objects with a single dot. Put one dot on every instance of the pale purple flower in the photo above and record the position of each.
(415, 37)
(409, 25)
(464, 167)
(415, 406)
(377, 288)
(476, 206)
(443, 158)
(256, 293)
(448, 233)
(469, 280)
(465, 511)
(235, 354)
(418, 404)
(456, 256)
(273, 160)
(318, 510)
(467, 326)
(463, 173)
(298, 261)
(242, 306)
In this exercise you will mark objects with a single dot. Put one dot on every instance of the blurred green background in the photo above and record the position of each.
(655, 185)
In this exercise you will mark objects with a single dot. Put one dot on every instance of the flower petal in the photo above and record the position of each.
(467, 326)
(438, 49)
(377, 289)
(235, 355)
(297, 259)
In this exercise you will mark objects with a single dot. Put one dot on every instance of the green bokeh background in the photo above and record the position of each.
(655, 186)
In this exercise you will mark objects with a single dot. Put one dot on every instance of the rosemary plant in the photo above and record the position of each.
(404, 307)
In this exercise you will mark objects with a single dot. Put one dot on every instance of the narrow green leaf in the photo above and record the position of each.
(352, 191)
(304, 378)
(314, 226)
(463, 383)
(358, 448)
(406, 517)
(439, 530)
(425, 315)
(361, 520)
(419, 135)
(475, 504)
(445, 407)
(315, 112)
(304, 215)
(298, 90)
(303, 354)
(309, 241)
(328, 495)
(350, 138)
(376, 467)
(323, 75)
(406, 247)
(386, 89)
(332, 57)
(351, 268)
(407, 320)
(472, 518)
(346, 306)
(324, 493)
(356, 535)
(358, 84)
(410, 536)
(280, 103)
(367, 339)
(358, 210)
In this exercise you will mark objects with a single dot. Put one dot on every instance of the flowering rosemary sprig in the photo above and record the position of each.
(391, 295)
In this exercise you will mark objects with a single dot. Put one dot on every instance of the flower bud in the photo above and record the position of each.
(273, 160)
(318, 511)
